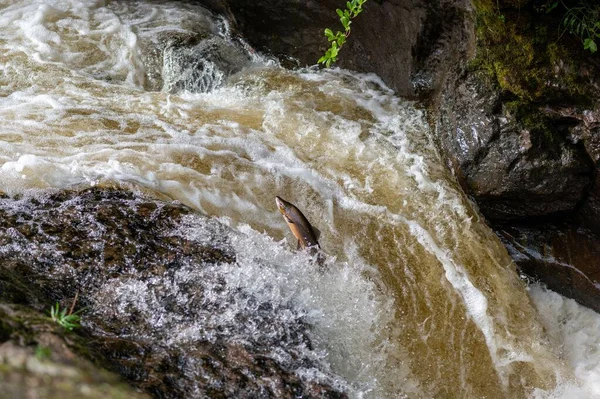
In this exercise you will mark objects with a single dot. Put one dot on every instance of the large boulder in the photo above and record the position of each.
(152, 277)
(513, 171)
(520, 130)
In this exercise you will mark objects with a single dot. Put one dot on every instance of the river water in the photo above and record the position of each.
(418, 299)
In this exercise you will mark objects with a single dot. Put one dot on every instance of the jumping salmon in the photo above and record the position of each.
(297, 222)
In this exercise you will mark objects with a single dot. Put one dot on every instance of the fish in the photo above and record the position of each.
(301, 228)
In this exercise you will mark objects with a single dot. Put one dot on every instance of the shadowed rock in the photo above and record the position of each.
(511, 171)
(564, 257)
(413, 45)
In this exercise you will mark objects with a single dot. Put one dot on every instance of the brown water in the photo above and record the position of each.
(420, 298)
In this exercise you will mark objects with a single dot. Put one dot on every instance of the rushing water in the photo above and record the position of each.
(419, 297)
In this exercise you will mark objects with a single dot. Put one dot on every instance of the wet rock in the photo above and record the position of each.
(585, 128)
(589, 212)
(512, 171)
(563, 256)
(202, 64)
(161, 311)
(413, 45)
(39, 359)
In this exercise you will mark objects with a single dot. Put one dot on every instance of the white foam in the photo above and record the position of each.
(573, 330)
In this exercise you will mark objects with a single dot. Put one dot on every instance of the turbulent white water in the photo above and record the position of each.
(419, 298)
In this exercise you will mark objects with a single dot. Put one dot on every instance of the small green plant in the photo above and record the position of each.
(584, 22)
(337, 39)
(64, 318)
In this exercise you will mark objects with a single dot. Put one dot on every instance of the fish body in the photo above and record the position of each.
(298, 224)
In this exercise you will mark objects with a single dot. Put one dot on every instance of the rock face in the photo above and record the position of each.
(513, 172)
(519, 126)
(159, 310)
(413, 45)
(520, 130)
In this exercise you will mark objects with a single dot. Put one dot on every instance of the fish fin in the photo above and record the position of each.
(316, 232)
(299, 246)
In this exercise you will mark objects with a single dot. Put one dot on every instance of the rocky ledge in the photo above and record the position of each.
(152, 277)
(564, 256)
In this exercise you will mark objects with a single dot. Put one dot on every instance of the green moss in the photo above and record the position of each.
(519, 49)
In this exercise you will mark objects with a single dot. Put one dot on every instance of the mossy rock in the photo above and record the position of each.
(522, 48)
(39, 359)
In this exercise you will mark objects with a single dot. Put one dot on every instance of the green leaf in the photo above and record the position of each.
(551, 7)
(345, 23)
(589, 44)
(339, 12)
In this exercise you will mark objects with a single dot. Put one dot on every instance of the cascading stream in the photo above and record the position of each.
(431, 304)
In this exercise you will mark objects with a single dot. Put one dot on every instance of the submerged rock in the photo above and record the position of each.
(159, 309)
(201, 65)
(564, 257)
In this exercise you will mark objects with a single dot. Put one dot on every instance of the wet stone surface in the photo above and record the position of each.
(511, 171)
(160, 310)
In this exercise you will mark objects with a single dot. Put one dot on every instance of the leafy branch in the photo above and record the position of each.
(584, 22)
(337, 39)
